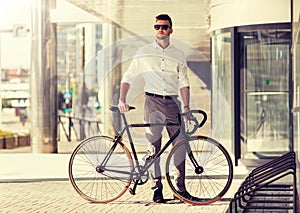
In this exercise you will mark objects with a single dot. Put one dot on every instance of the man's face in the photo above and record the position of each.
(161, 33)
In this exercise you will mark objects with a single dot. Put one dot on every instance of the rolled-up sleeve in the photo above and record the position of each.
(132, 71)
(182, 76)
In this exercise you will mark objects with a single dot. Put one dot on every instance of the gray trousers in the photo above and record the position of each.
(159, 110)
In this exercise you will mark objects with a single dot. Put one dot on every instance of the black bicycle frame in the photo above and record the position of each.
(126, 129)
(142, 170)
(154, 158)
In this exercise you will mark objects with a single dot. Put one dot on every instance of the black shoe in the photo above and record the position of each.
(158, 196)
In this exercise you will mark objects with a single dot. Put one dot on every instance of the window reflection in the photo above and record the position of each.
(222, 87)
(265, 73)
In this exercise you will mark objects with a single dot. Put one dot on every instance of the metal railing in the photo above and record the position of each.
(81, 127)
(266, 187)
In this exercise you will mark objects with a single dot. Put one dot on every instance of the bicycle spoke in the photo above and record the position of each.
(100, 186)
(210, 184)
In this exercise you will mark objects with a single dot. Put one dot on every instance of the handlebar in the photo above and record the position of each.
(115, 108)
(193, 120)
(191, 112)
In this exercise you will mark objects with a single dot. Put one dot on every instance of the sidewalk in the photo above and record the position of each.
(39, 183)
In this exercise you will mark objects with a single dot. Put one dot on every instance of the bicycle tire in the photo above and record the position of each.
(105, 186)
(213, 182)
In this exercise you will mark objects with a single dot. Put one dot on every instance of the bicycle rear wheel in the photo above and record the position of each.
(211, 180)
(95, 181)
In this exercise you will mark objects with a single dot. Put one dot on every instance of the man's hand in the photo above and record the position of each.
(186, 109)
(123, 107)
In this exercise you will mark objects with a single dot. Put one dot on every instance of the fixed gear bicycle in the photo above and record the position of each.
(102, 169)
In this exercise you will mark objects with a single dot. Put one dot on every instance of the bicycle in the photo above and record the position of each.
(102, 169)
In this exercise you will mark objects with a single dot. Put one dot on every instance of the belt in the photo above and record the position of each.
(161, 96)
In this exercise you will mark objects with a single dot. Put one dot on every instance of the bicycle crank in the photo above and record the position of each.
(141, 178)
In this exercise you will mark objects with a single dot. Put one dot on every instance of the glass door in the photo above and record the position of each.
(265, 95)
(296, 80)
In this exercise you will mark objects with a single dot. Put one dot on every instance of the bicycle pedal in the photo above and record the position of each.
(132, 192)
(147, 157)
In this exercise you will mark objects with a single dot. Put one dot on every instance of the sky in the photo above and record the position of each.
(15, 51)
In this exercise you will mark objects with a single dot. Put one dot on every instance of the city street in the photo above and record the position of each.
(231, 66)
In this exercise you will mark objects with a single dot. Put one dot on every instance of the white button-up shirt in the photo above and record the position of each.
(164, 70)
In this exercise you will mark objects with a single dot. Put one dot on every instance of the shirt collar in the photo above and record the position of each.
(155, 45)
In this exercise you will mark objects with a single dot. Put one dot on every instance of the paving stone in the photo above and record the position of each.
(59, 196)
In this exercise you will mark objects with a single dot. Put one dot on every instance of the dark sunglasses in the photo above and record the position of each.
(163, 26)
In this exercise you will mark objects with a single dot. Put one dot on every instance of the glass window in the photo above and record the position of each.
(267, 60)
(222, 122)
(296, 76)
(265, 102)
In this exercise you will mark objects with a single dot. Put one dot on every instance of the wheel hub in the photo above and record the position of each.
(99, 169)
(199, 170)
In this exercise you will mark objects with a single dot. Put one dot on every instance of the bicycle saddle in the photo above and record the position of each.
(115, 108)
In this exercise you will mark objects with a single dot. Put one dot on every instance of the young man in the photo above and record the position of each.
(163, 67)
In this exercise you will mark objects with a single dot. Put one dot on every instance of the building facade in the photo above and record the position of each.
(255, 58)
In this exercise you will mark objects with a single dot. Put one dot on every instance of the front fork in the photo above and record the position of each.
(198, 169)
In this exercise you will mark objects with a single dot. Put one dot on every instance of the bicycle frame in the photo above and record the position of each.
(143, 169)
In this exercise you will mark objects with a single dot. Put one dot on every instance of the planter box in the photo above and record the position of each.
(1, 142)
(23, 140)
(9, 142)
(28, 140)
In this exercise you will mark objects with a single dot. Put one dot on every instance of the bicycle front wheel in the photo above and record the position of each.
(100, 170)
(206, 183)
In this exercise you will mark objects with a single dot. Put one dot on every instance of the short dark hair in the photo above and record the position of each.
(164, 17)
